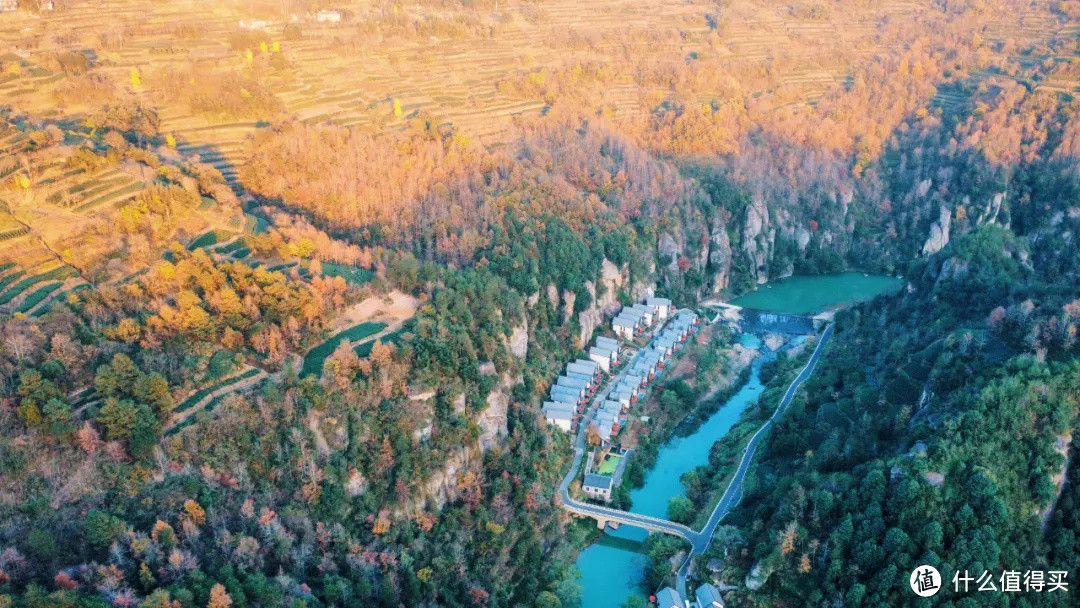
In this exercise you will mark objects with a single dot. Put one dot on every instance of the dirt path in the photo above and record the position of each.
(231, 388)
(401, 307)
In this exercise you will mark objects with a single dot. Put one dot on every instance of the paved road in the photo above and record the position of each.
(734, 492)
(699, 541)
(653, 524)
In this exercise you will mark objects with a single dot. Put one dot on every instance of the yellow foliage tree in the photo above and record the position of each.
(135, 77)
(219, 598)
(787, 539)
(397, 108)
(194, 512)
(382, 525)
(126, 331)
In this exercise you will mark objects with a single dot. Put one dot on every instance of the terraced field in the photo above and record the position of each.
(313, 360)
(379, 68)
(454, 77)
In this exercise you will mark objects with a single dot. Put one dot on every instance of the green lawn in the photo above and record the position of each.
(313, 361)
(353, 275)
(609, 465)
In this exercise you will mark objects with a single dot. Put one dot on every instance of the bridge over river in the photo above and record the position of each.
(699, 540)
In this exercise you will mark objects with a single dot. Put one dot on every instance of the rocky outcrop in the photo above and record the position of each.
(993, 208)
(569, 299)
(1061, 446)
(492, 420)
(757, 576)
(939, 232)
(518, 342)
(758, 238)
(923, 187)
(605, 301)
(719, 255)
(669, 250)
(442, 486)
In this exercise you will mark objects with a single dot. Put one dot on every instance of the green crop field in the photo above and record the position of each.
(313, 361)
(37, 296)
(207, 239)
(353, 275)
(201, 394)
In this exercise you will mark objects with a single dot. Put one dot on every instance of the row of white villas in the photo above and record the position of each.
(632, 321)
(571, 393)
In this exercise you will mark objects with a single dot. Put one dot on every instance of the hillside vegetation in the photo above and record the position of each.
(198, 197)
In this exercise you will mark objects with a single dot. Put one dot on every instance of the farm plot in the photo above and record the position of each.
(314, 359)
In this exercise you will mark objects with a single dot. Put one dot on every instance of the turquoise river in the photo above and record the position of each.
(612, 568)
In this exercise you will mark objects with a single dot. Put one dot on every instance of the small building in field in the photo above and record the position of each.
(253, 24)
(9, 6)
(325, 16)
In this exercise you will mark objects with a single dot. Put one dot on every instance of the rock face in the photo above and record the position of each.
(719, 255)
(668, 248)
(993, 208)
(518, 343)
(442, 487)
(612, 279)
(553, 296)
(492, 420)
(939, 232)
(757, 576)
(569, 298)
(758, 237)
(923, 187)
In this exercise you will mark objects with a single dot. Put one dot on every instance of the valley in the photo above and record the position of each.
(364, 304)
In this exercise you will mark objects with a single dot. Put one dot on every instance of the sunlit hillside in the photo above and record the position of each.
(437, 303)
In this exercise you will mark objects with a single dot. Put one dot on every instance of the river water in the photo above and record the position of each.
(613, 567)
(811, 294)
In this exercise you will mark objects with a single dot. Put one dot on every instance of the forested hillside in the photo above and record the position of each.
(282, 289)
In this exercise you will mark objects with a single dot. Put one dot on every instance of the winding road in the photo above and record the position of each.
(699, 541)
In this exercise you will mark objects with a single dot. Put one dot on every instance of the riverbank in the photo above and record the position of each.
(615, 565)
(662, 429)
(727, 451)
